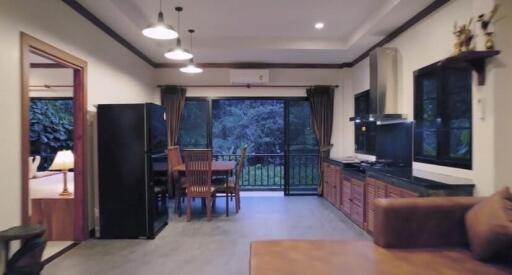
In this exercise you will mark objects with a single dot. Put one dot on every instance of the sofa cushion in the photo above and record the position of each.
(489, 225)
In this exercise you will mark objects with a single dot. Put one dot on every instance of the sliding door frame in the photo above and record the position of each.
(286, 100)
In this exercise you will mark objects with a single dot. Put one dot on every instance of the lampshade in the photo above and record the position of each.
(191, 69)
(178, 53)
(64, 160)
(160, 30)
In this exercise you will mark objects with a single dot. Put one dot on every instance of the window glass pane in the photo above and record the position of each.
(429, 146)
(460, 143)
(303, 159)
(256, 123)
(458, 81)
(194, 125)
(430, 87)
(301, 135)
(459, 106)
(430, 110)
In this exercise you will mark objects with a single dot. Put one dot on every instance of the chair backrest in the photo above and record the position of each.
(27, 260)
(198, 173)
(240, 166)
(174, 157)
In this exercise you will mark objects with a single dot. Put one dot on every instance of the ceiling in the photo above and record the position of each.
(271, 31)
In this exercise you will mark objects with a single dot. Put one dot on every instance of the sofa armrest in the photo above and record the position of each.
(422, 222)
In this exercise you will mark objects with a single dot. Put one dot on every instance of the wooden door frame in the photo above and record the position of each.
(30, 44)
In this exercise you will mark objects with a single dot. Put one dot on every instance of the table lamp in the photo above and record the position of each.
(64, 160)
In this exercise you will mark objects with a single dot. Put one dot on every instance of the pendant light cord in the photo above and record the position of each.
(179, 28)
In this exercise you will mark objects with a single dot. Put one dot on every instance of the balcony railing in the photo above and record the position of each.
(268, 171)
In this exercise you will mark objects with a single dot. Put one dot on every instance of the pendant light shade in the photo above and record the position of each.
(178, 53)
(191, 68)
(160, 30)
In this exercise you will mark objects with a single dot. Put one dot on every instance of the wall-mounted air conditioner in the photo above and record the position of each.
(246, 76)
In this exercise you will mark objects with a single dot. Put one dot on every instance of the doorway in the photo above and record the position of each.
(53, 142)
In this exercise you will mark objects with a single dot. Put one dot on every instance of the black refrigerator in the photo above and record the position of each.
(132, 161)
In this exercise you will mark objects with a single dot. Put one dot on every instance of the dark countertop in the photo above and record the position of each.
(422, 182)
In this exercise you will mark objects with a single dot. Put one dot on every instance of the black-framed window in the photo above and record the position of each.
(365, 131)
(443, 116)
(194, 126)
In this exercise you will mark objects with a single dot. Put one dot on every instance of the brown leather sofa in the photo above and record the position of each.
(412, 236)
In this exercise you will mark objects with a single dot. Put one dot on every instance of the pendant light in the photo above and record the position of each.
(160, 30)
(191, 68)
(178, 53)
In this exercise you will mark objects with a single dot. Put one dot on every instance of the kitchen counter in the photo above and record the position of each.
(422, 182)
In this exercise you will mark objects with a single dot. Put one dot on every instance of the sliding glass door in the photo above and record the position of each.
(195, 124)
(257, 124)
(282, 148)
(302, 172)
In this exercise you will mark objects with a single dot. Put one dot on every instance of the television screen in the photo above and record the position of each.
(394, 143)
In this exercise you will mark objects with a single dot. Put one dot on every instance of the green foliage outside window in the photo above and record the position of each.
(51, 128)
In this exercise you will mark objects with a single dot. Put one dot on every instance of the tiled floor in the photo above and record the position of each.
(217, 247)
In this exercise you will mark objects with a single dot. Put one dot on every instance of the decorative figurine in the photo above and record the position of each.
(467, 36)
(464, 38)
(484, 24)
(457, 46)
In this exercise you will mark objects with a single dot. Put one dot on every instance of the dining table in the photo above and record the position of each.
(219, 167)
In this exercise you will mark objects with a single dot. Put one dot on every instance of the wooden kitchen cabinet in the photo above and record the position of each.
(331, 176)
(374, 190)
(345, 195)
(357, 202)
(355, 197)
(397, 192)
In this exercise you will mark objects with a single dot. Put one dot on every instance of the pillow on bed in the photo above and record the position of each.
(33, 163)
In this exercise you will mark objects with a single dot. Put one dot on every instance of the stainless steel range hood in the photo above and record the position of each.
(383, 103)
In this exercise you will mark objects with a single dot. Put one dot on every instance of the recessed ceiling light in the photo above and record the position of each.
(319, 25)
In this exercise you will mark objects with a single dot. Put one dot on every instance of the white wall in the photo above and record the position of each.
(114, 75)
(220, 76)
(427, 42)
(503, 96)
(46, 76)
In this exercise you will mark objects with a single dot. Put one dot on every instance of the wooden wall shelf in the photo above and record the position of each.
(476, 59)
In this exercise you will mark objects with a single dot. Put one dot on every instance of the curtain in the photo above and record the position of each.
(321, 99)
(173, 99)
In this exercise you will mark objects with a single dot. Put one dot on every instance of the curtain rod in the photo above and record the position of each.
(248, 86)
(50, 86)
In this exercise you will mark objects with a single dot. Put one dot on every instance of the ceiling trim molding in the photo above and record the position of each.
(259, 65)
(256, 65)
(106, 29)
(402, 28)
(48, 66)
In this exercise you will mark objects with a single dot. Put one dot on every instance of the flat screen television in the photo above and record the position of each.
(394, 144)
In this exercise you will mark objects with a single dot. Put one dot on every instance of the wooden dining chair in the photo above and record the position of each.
(198, 179)
(231, 188)
(176, 180)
